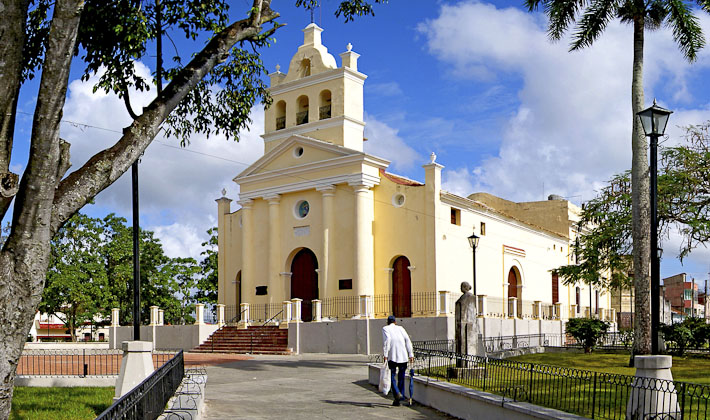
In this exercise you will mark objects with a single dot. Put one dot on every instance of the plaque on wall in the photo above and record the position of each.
(302, 230)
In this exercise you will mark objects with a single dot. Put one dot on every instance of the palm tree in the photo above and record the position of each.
(590, 18)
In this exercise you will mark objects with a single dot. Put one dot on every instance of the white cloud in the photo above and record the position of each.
(458, 181)
(177, 186)
(384, 141)
(572, 127)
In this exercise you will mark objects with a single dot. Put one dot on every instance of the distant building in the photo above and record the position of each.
(51, 327)
(683, 295)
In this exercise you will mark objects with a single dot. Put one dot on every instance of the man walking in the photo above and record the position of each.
(397, 347)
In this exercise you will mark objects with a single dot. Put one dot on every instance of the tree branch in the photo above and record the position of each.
(108, 165)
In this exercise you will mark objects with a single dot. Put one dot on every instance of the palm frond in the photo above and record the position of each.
(593, 23)
(532, 4)
(656, 13)
(686, 30)
(562, 13)
(704, 4)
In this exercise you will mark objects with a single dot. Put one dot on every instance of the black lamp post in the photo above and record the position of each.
(473, 242)
(654, 121)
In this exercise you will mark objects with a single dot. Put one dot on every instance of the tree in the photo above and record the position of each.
(184, 278)
(216, 89)
(591, 18)
(207, 284)
(586, 331)
(77, 284)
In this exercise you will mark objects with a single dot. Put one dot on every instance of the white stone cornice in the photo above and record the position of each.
(286, 274)
(327, 191)
(325, 76)
(246, 203)
(273, 199)
(389, 270)
(336, 121)
(411, 268)
(314, 184)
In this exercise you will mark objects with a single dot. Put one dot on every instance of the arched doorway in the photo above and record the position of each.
(304, 281)
(514, 289)
(238, 297)
(401, 288)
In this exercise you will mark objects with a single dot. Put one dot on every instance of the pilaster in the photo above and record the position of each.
(432, 180)
(247, 241)
(326, 274)
(274, 279)
(363, 261)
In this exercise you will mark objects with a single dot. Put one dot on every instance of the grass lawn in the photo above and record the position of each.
(693, 368)
(79, 403)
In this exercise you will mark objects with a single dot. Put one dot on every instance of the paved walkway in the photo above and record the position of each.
(313, 386)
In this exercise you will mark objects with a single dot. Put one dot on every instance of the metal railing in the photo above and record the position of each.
(301, 117)
(324, 112)
(340, 307)
(513, 342)
(280, 123)
(586, 393)
(441, 345)
(148, 399)
(78, 362)
(260, 312)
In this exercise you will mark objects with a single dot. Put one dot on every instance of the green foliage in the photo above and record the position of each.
(347, 9)
(207, 283)
(627, 337)
(692, 332)
(683, 204)
(79, 403)
(587, 331)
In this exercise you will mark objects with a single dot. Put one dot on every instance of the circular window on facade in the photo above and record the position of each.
(298, 152)
(302, 209)
(398, 200)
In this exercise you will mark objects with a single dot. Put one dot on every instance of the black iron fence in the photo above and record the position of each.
(590, 394)
(78, 362)
(148, 399)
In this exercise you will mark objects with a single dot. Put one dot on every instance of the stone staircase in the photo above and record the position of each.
(254, 340)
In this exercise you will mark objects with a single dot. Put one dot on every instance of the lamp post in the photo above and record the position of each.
(654, 121)
(473, 242)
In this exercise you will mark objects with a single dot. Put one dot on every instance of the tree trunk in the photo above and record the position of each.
(640, 198)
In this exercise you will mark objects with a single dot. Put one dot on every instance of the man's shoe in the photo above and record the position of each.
(396, 403)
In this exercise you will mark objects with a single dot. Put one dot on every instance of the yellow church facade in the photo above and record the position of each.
(323, 223)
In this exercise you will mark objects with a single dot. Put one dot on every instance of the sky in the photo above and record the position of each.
(506, 111)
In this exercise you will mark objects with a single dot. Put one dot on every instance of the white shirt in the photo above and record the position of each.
(396, 343)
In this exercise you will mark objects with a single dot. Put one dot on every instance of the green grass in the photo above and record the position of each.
(79, 403)
(692, 368)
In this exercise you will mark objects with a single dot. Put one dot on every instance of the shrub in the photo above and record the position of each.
(586, 331)
(626, 335)
(679, 334)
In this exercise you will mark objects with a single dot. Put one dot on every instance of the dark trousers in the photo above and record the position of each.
(399, 389)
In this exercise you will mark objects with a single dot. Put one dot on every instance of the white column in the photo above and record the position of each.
(513, 307)
(200, 314)
(286, 313)
(444, 307)
(316, 310)
(153, 315)
(220, 314)
(244, 310)
(558, 311)
(114, 317)
(364, 248)
(161, 317)
(326, 274)
(114, 327)
(248, 280)
(537, 309)
(482, 306)
(296, 309)
(274, 279)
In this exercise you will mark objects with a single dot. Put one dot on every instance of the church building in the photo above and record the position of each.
(322, 221)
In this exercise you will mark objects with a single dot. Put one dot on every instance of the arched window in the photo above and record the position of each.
(302, 112)
(324, 110)
(280, 115)
(305, 69)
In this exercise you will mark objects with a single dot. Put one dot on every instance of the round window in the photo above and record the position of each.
(398, 200)
(302, 209)
(298, 152)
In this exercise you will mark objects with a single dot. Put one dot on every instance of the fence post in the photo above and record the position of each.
(220, 314)
(296, 309)
(316, 310)
(513, 307)
(594, 394)
(444, 309)
(200, 314)
(530, 392)
(243, 322)
(286, 313)
(682, 400)
(482, 307)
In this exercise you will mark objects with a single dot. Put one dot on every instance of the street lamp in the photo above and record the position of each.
(654, 121)
(473, 242)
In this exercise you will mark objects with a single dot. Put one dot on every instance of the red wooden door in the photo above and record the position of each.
(555, 288)
(512, 284)
(401, 288)
(304, 281)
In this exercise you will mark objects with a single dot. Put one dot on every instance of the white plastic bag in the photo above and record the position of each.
(385, 379)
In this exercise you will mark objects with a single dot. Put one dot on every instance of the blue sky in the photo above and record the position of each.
(506, 111)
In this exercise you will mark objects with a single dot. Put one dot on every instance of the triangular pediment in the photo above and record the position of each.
(297, 151)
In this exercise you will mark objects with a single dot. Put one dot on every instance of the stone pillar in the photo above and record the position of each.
(558, 311)
(434, 220)
(161, 317)
(482, 306)
(114, 317)
(537, 309)
(285, 314)
(651, 396)
(223, 210)
(364, 247)
(220, 314)
(274, 258)
(244, 320)
(316, 310)
(513, 307)
(327, 265)
(153, 315)
(444, 307)
(296, 310)
(137, 364)
(248, 281)
(115, 323)
(200, 314)
(366, 306)
(573, 311)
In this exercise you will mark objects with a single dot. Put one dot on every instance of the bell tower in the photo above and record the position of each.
(316, 98)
